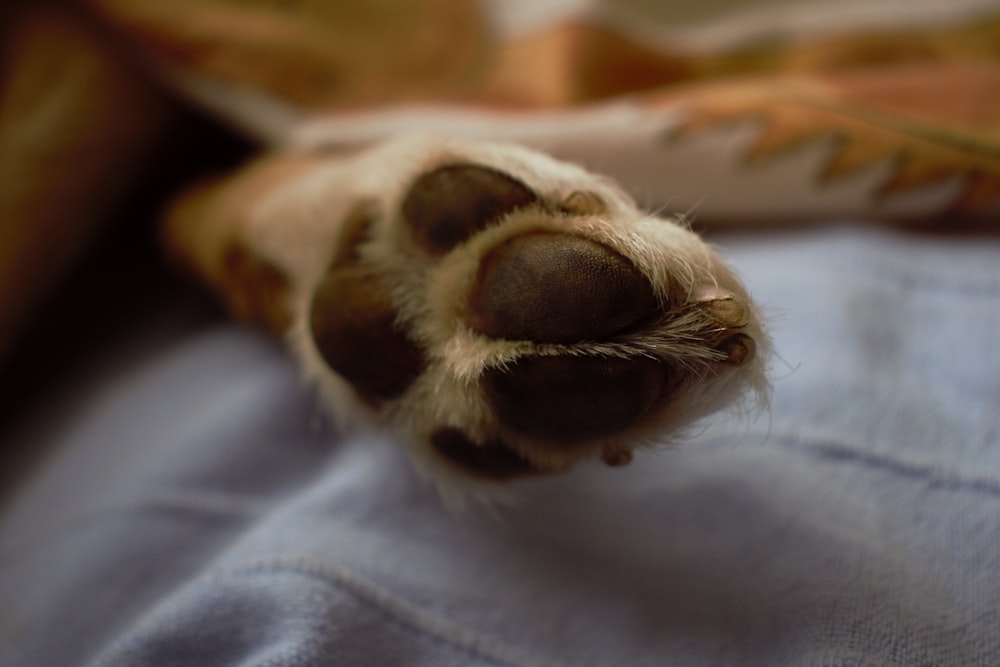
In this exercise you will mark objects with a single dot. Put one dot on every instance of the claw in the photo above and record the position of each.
(580, 202)
(616, 456)
(739, 349)
(723, 306)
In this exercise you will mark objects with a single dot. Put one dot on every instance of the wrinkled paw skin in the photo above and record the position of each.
(507, 314)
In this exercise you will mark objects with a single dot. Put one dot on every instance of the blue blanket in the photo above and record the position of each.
(198, 510)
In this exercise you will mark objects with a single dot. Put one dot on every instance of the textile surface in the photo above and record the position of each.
(196, 512)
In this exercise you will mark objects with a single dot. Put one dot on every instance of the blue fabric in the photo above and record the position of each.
(196, 512)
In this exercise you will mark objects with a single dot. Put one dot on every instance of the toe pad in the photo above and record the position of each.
(557, 288)
(575, 398)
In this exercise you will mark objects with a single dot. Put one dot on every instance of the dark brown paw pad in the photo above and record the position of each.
(492, 460)
(570, 398)
(355, 329)
(448, 205)
(557, 288)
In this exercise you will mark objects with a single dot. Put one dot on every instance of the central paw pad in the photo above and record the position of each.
(557, 288)
(511, 321)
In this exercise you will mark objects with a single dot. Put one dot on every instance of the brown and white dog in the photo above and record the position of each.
(505, 313)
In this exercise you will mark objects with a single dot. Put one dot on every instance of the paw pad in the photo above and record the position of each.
(353, 324)
(451, 203)
(491, 460)
(570, 398)
(557, 288)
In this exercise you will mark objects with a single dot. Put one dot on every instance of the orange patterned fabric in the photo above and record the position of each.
(920, 91)
(313, 54)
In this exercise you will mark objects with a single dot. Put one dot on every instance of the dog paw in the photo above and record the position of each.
(510, 315)
(506, 314)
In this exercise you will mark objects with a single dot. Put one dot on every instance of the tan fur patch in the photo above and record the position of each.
(256, 290)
